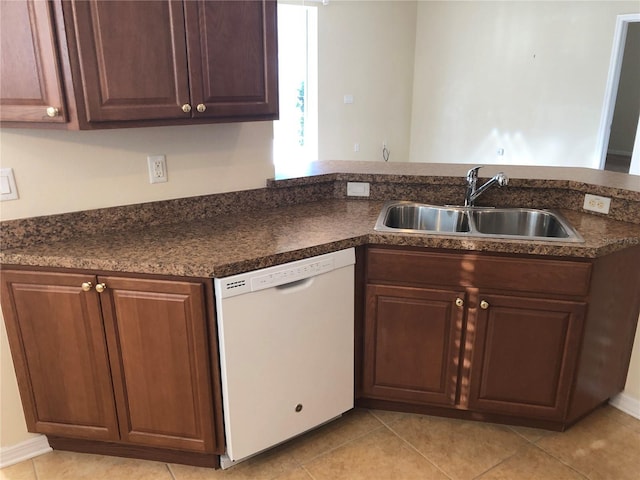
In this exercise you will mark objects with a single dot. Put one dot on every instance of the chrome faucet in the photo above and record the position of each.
(472, 178)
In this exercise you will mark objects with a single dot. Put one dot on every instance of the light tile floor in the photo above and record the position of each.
(374, 445)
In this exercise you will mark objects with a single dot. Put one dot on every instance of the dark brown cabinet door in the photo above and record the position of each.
(233, 58)
(412, 344)
(132, 58)
(524, 355)
(31, 81)
(157, 336)
(60, 353)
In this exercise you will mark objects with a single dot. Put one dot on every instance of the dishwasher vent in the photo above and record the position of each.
(235, 284)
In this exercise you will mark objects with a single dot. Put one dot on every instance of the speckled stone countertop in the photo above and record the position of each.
(231, 244)
(224, 234)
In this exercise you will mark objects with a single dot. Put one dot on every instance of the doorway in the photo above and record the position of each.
(620, 126)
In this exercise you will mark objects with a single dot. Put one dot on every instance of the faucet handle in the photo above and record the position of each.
(472, 174)
(502, 179)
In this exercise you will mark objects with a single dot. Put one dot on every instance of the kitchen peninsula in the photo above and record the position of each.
(583, 307)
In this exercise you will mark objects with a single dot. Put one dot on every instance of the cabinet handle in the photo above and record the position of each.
(101, 287)
(86, 286)
(483, 304)
(201, 107)
(186, 108)
(52, 112)
(459, 302)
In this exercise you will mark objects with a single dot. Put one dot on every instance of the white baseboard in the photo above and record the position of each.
(24, 450)
(627, 404)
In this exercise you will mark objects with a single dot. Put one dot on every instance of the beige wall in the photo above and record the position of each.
(68, 171)
(368, 48)
(632, 388)
(528, 77)
(13, 428)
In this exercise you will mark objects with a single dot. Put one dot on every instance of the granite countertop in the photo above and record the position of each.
(228, 244)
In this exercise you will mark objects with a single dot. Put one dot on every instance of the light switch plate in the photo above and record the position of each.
(8, 187)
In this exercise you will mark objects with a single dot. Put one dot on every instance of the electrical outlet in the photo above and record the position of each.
(157, 168)
(595, 203)
(358, 189)
(8, 185)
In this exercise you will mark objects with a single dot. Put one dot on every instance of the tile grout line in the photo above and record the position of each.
(528, 445)
(575, 469)
(33, 467)
(517, 452)
(418, 452)
(302, 464)
(343, 443)
(307, 472)
(170, 471)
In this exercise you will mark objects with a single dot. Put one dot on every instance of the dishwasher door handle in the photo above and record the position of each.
(295, 286)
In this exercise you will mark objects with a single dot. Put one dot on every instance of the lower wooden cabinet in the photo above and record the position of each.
(113, 358)
(412, 344)
(524, 355)
(517, 339)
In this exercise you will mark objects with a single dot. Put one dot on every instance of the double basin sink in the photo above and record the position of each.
(511, 223)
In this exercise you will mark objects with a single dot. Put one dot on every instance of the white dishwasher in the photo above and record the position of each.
(286, 350)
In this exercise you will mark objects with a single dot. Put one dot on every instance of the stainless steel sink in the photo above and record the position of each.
(521, 222)
(425, 217)
(512, 223)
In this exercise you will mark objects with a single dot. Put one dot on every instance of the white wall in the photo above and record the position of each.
(365, 49)
(528, 77)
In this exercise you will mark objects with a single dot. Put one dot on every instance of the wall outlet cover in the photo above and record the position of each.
(8, 188)
(358, 189)
(594, 203)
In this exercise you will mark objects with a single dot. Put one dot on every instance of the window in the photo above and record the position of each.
(295, 142)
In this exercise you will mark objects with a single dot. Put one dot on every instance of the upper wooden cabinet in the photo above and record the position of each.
(233, 58)
(31, 88)
(131, 58)
(160, 62)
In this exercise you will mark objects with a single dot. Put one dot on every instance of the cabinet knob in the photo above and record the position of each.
(101, 287)
(186, 108)
(483, 304)
(459, 302)
(201, 107)
(299, 407)
(86, 286)
(52, 112)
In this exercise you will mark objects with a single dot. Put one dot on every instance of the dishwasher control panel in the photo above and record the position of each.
(291, 274)
(283, 274)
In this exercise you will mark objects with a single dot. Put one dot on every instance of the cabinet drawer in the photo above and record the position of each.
(559, 277)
